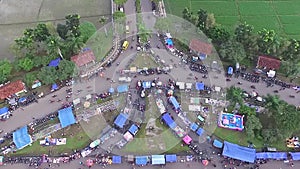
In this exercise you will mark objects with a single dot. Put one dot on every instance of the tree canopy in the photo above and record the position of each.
(120, 2)
(5, 70)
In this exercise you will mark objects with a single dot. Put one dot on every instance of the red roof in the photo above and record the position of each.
(11, 88)
(268, 62)
(200, 47)
(83, 58)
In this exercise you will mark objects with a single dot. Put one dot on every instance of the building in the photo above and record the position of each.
(13, 88)
(84, 58)
(267, 62)
(202, 49)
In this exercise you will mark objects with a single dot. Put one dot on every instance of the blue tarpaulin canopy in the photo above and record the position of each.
(200, 131)
(169, 42)
(199, 86)
(272, 155)
(169, 121)
(21, 137)
(194, 126)
(121, 120)
(66, 117)
(158, 159)
(54, 63)
(239, 152)
(295, 156)
(133, 129)
(22, 99)
(218, 143)
(146, 85)
(230, 70)
(171, 158)
(141, 160)
(202, 56)
(3, 111)
(116, 159)
(111, 90)
(54, 86)
(122, 88)
(174, 102)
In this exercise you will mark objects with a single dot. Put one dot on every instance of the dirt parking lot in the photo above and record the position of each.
(16, 15)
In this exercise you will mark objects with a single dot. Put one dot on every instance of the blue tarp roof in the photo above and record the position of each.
(169, 121)
(158, 159)
(22, 99)
(111, 90)
(199, 86)
(146, 85)
(271, 155)
(218, 143)
(171, 158)
(116, 159)
(174, 102)
(21, 137)
(54, 63)
(169, 42)
(66, 117)
(141, 160)
(133, 129)
(239, 152)
(230, 70)
(54, 86)
(194, 126)
(121, 120)
(122, 88)
(3, 110)
(202, 56)
(295, 156)
(200, 131)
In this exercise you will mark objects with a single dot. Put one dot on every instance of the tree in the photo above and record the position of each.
(53, 44)
(48, 75)
(246, 110)
(26, 42)
(234, 94)
(5, 70)
(72, 46)
(232, 51)
(62, 31)
(26, 63)
(143, 33)
(202, 19)
(243, 32)
(210, 21)
(66, 69)
(120, 2)
(291, 68)
(271, 135)
(41, 32)
(218, 34)
(72, 23)
(186, 14)
(272, 103)
(29, 78)
(87, 29)
(252, 125)
(268, 41)
(102, 20)
(292, 51)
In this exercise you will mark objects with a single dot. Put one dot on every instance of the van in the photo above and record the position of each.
(125, 45)
(127, 29)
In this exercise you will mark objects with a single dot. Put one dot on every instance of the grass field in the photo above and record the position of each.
(282, 16)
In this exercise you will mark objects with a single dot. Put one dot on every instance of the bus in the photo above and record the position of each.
(125, 45)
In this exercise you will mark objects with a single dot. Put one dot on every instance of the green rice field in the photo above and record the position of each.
(280, 15)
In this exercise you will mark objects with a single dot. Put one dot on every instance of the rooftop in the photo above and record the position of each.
(11, 88)
(83, 58)
(200, 47)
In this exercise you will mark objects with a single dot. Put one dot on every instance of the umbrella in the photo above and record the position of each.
(205, 162)
(89, 162)
(87, 104)
(111, 90)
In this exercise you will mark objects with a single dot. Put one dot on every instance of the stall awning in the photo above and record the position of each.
(187, 139)
(169, 121)
(116, 159)
(199, 86)
(66, 117)
(21, 138)
(194, 126)
(295, 156)
(4, 111)
(239, 152)
(218, 143)
(158, 159)
(200, 131)
(133, 129)
(141, 160)
(272, 155)
(171, 158)
(121, 120)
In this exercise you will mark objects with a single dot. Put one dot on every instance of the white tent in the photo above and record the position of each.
(188, 85)
(217, 88)
(168, 35)
(76, 101)
(260, 99)
(271, 73)
(194, 108)
(180, 85)
(89, 96)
